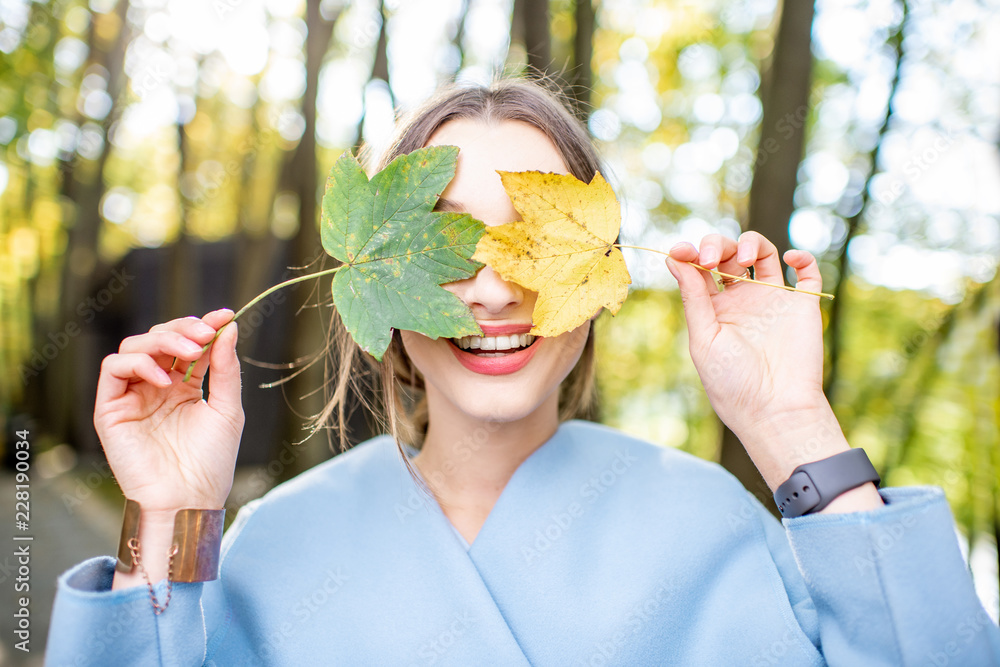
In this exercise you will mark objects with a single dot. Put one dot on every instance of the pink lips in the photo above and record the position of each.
(508, 363)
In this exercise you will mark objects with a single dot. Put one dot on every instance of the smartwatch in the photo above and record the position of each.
(814, 485)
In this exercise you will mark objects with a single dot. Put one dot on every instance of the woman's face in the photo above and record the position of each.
(510, 375)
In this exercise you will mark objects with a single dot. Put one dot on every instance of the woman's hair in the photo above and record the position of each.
(392, 390)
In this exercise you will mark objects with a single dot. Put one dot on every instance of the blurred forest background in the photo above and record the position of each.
(163, 159)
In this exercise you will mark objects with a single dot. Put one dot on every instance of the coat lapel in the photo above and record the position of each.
(355, 559)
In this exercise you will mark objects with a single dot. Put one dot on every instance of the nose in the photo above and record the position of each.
(489, 293)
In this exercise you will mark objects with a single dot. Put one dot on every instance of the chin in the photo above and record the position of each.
(499, 409)
(488, 391)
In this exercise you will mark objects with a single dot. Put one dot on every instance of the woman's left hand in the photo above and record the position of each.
(759, 350)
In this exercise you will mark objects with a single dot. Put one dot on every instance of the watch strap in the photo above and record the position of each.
(813, 486)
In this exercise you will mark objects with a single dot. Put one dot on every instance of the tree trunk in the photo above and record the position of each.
(183, 266)
(785, 101)
(537, 37)
(854, 223)
(460, 35)
(380, 71)
(517, 22)
(380, 66)
(583, 52)
(308, 326)
(85, 188)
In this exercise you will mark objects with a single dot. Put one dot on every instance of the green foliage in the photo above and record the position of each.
(920, 394)
(919, 391)
(919, 387)
(647, 382)
(397, 251)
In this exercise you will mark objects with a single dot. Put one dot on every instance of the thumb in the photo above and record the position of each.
(698, 309)
(225, 392)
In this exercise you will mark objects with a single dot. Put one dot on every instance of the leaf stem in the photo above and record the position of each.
(726, 275)
(187, 376)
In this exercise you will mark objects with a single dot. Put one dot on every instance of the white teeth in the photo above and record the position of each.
(498, 343)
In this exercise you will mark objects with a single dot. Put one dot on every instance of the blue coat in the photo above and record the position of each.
(601, 550)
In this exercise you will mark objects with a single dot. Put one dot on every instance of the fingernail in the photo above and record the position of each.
(203, 328)
(743, 254)
(710, 256)
(162, 375)
(671, 268)
(678, 246)
(192, 347)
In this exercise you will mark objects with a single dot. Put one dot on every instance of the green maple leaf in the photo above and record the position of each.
(397, 252)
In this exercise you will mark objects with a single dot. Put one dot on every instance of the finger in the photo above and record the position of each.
(216, 319)
(163, 344)
(685, 252)
(119, 370)
(698, 309)
(718, 252)
(806, 268)
(194, 328)
(755, 249)
(200, 330)
(225, 393)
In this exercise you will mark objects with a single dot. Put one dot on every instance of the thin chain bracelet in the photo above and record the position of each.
(133, 547)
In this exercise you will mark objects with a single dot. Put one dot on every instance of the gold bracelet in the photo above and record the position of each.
(196, 543)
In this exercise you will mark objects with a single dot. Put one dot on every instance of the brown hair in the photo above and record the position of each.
(392, 391)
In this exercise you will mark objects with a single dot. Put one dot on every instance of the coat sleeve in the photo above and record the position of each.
(886, 586)
(94, 625)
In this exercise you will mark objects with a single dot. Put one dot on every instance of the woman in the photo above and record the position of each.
(541, 540)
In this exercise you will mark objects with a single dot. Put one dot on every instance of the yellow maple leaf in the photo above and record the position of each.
(563, 248)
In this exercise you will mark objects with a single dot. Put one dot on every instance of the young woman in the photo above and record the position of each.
(527, 536)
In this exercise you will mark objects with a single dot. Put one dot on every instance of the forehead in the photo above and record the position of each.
(509, 145)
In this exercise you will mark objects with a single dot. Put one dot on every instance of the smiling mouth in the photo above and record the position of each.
(494, 346)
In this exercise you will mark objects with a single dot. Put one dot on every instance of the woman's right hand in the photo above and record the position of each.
(168, 447)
